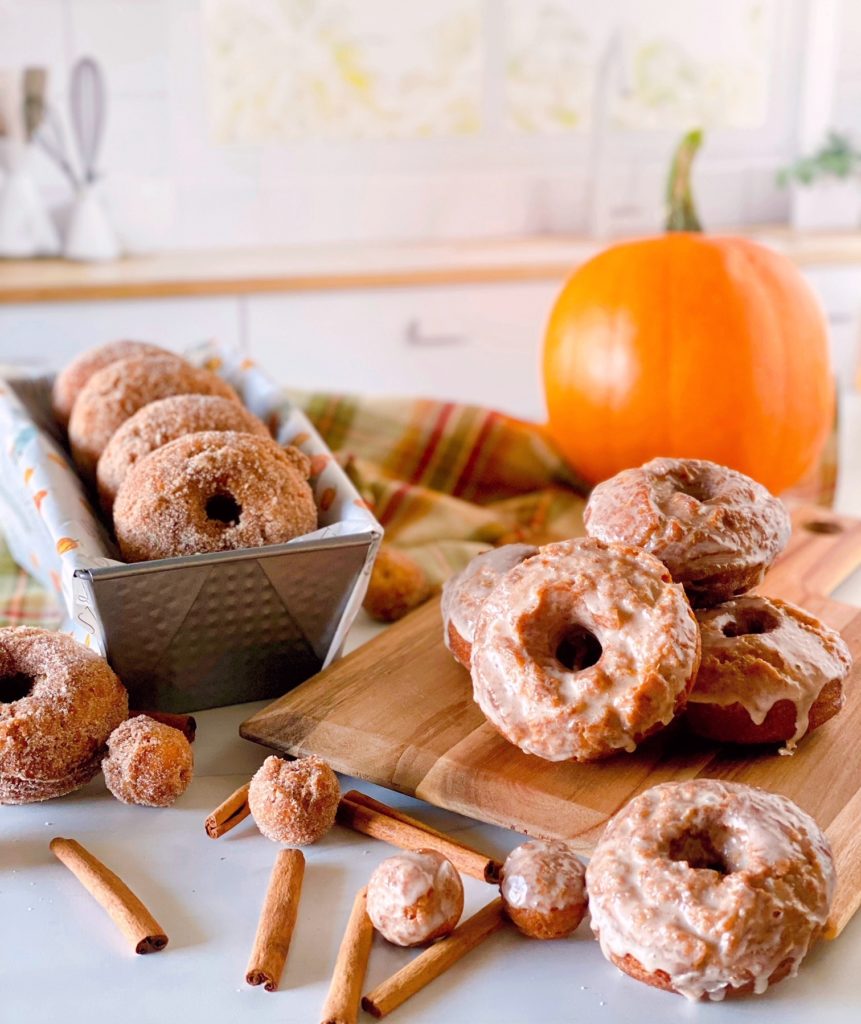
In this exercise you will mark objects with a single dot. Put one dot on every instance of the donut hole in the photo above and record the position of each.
(699, 490)
(700, 851)
(15, 687)
(578, 649)
(751, 622)
(223, 508)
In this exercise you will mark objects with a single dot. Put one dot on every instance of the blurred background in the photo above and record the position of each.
(405, 185)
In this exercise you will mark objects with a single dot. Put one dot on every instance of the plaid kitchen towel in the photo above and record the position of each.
(446, 481)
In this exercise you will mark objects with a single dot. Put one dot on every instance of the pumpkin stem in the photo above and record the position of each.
(681, 211)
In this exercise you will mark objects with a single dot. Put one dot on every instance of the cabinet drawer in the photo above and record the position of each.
(49, 334)
(470, 343)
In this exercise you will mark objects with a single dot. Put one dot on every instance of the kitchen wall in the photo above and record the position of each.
(482, 149)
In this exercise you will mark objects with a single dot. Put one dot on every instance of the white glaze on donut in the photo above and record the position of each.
(701, 519)
(788, 655)
(649, 650)
(465, 593)
(543, 876)
(710, 931)
(414, 896)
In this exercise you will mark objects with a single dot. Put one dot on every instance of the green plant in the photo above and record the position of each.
(836, 158)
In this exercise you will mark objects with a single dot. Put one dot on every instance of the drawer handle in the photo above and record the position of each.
(414, 335)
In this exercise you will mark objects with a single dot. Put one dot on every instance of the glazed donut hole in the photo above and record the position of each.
(702, 850)
(222, 507)
(750, 621)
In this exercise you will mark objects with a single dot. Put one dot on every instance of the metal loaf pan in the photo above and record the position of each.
(199, 631)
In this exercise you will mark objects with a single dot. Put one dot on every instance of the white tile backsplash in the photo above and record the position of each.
(157, 130)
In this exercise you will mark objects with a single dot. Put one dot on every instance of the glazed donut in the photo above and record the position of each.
(465, 593)
(415, 897)
(543, 888)
(294, 801)
(213, 491)
(116, 392)
(770, 672)
(160, 422)
(69, 381)
(59, 703)
(715, 529)
(584, 650)
(705, 886)
(149, 763)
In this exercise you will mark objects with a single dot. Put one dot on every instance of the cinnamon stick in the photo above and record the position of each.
(229, 813)
(372, 818)
(186, 724)
(345, 990)
(434, 961)
(277, 920)
(111, 892)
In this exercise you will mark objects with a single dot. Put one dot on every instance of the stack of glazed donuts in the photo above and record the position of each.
(177, 460)
(584, 648)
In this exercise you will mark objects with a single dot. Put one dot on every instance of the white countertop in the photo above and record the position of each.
(62, 959)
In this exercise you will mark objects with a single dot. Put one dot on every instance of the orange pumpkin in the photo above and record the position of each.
(691, 346)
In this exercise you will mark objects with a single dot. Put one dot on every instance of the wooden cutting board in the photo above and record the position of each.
(399, 712)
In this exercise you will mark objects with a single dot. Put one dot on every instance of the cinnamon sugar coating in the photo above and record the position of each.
(715, 529)
(158, 423)
(464, 594)
(706, 886)
(115, 393)
(294, 801)
(415, 897)
(543, 888)
(213, 491)
(770, 673)
(70, 380)
(53, 735)
(148, 763)
(583, 650)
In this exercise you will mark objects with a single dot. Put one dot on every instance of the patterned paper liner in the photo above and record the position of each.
(50, 524)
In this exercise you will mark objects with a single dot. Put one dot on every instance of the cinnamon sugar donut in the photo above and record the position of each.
(294, 801)
(543, 888)
(703, 887)
(160, 422)
(770, 673)
(148, 763)
(115, 393)
(69, 381)
(715, 529)
(465, 593)
(213, 491)
(397, 585)
(415, 897)
(584, 650)
(59, 702)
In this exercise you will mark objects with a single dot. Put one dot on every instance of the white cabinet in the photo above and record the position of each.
(839, 291)
(473, 343)
(51, 333)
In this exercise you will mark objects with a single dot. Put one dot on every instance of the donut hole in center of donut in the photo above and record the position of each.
(700, 851)
(223, 508)
(578, 649)
(751, 622)
(15, 687)
(699, 490)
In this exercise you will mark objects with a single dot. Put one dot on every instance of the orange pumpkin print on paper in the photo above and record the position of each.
(319, 463)
(38, 498)
(327, 499)
(28, 475)
(66, 544)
